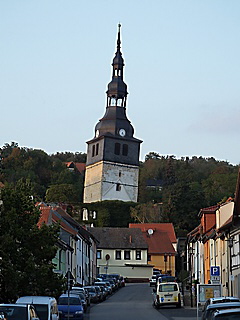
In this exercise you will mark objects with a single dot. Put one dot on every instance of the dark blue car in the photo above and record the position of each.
(70, 306)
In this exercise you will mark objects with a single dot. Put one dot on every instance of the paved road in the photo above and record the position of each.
(134, 302)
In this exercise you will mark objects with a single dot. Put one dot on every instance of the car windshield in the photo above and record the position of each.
(91, 290)
(167, 287)
(14, 313)
(70, 301)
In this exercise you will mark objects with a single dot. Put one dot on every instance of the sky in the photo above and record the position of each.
(181, 67)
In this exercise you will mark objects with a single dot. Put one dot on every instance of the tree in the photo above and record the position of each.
(26, 250)
(65, 193)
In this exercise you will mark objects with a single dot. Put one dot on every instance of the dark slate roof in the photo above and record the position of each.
(119, 238)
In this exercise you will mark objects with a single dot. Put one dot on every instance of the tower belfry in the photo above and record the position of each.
(112, 165)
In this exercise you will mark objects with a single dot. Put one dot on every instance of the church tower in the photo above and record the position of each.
(112, 166)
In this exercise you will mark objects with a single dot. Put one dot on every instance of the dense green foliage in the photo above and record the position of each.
(186, 186)
(26, 251)
(44, 171)
(183, 186)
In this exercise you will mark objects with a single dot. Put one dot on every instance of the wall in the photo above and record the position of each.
(132, 269)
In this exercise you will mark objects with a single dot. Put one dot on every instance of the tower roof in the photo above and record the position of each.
(115, 117)
(117, 88)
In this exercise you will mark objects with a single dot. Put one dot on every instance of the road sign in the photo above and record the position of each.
(215, 271)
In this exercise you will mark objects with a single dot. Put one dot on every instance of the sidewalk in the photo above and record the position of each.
(187, 300)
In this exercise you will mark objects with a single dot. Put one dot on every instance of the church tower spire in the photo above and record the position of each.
(117, 89)
(113, 154)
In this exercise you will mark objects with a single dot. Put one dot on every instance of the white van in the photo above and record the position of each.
(46, 307)
(166, 294)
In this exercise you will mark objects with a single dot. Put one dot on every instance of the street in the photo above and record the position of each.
(134, 302)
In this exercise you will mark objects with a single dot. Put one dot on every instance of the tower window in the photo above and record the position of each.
(97, 148)
(93, 150)
(118, 187)
(125, 150)
(119, 174)
(117, 148)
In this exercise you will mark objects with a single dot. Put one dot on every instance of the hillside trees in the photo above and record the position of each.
(43, 170)
(26, 250)
(187, 185)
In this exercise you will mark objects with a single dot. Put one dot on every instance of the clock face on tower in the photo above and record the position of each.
(122, 132)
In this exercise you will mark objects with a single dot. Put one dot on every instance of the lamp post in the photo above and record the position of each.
(230, 245)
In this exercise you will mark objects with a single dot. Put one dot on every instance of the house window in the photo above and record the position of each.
(117, 148)
(125, 150)
(127, 255)
(138, 255)
(149, 257)
(119, 174)
(118, 255)
(99, 254)
(118, 187)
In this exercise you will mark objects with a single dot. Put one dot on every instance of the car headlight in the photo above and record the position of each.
(79, 312)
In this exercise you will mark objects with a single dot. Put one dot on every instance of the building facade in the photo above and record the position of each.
(123, 251)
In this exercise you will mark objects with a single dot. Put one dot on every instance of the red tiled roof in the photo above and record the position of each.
(49, 215)
(162, 227)
(159, 242)
(80, 166)
(209, 209)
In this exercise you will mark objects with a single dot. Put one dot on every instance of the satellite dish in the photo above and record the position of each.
(150, 231)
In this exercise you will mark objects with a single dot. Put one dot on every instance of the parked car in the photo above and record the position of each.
(153, 280)
(99, 293)
(227, 314)
(18, 311)
(122, 281)
(83, 290)
(112, 284)
(70, 306)
(46, 307)
(92, 293)
(82, 297)
(104, 288)
(164, 278)
(211, 308)
(167, 294)
(156, 271)
(219, 300)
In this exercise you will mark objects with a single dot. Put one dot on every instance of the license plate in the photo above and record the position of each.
(168, 295)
